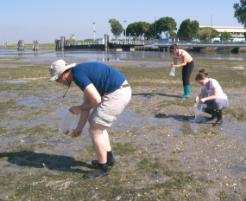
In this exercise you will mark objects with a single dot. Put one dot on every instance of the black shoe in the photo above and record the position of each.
(212, 112)
(110, 160)
(101, 172)
(219, 116)
(96, 163)
(217, 123)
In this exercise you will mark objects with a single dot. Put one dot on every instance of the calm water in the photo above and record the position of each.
(47, 56)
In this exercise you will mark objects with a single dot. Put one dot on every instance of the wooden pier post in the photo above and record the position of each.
(35, 46)
(20, 45)
(106, 41)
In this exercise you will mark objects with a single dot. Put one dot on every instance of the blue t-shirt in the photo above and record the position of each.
(105, 78)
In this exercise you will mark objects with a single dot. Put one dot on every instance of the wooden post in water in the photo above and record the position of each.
(20, 45)
(59, 44)
(106, 40)
(35, 46)
(63, 41)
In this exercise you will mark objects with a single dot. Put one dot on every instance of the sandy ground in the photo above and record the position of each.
(161, 153)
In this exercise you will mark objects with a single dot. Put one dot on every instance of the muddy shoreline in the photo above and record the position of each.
(160, 153)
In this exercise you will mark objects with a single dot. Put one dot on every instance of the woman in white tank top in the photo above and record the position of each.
(212, 95)
(183, 59)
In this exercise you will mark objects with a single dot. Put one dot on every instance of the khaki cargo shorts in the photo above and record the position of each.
(112, 106)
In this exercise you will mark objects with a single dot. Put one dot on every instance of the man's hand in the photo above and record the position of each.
(75, 110)
(76, 132)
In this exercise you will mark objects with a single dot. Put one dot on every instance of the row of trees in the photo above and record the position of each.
(188, 30)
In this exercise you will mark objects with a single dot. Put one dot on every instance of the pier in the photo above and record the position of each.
(103, 45)
(199, 47)
(154, 45)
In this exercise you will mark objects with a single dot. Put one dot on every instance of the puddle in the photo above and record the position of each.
(238, 169)
(14, 81)
(7, 96)
(26, 123)
(67, 146)
(235, 129)
(58, 141)
(10, 140)
(131, 120)
(30, 101)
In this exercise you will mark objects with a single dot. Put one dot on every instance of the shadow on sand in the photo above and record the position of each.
(156, 94)
(42, 160)
(175, 116)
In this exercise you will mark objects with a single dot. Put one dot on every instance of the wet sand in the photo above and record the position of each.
(161, 153)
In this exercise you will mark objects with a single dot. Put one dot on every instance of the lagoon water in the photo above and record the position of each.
(47, 56)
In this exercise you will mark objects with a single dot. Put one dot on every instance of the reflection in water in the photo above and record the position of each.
(30, 101)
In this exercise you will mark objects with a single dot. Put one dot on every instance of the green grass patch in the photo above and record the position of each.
(124, 149)
(22, 71)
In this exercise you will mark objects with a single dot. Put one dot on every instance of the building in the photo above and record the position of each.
(238, 33)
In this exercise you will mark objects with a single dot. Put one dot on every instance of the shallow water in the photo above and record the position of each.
(235, 129)
(7, 96)
(30, 101)
(238, 169)
(47, 56)
(14, 81)
(25, 123)
(132, 120)
(10, 140)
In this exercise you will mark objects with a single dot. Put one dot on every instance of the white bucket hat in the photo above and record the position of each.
(58, 67)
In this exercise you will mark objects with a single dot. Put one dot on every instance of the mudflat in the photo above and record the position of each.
(161, 154)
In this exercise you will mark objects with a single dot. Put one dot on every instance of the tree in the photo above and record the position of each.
(240, 12)
(225, 36)
(206, 33)
(188, 30)
(116, 27)
(138, 28)
(151, 33)
(165, 24)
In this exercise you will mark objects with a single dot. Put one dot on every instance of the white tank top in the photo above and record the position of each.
(182, 53)
(210, 91)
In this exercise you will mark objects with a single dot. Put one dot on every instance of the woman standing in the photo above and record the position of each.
(211, 95)
(186, 61)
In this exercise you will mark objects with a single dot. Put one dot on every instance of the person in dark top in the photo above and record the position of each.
(106, 94)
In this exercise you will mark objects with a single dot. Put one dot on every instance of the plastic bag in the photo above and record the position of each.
(172, 71)
(198, 110)
(69, 122)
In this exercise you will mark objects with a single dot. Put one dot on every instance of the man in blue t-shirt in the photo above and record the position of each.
(106, 93)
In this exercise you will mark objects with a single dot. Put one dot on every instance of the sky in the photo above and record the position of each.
(47, 20)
